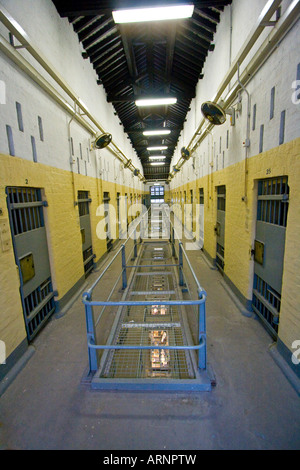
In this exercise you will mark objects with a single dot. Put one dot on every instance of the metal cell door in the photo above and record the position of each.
(109, 241)
(119, 216)
(191, 218)
(184, 209)
(269, 245)
(201, 217)
(25, 207)
(85, 230)
(220, 227)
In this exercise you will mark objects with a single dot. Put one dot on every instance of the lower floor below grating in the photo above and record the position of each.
(151, 326)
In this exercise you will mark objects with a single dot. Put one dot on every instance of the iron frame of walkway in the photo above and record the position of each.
(202, 377)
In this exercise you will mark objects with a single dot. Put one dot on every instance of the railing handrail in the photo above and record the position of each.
(200, 288)
(200, 302)
(201, 291)
(89, 291)
(128, 303)
(189, 347)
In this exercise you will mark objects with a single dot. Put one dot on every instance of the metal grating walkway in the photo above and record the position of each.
(150, 345)
(154, 325)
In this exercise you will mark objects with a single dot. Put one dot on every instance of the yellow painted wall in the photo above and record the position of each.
(64, 240)
(241, 221)
(63, 232)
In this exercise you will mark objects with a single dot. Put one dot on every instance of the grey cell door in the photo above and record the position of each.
(25, 208)
(201, 217)
(269, 245)
(191, 212)
(85, 230)
(109, 241)
(220, 227)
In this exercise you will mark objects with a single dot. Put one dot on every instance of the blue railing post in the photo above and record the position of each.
(202, 331)
(181, 283)
(124, 275)
(173, 242)
(91, 337)
(135, 245)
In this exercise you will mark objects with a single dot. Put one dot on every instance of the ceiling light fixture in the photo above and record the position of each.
(157, 157)
(157, 163)
(136, 15)
(163, 147)
(155, 101)
(158, 132)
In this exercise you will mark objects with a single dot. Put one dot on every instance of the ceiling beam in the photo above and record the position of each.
(188, 45)
(135, 61)
(97, 58)
(170, 52)
(84, 22)
(127, 98)
(149, 55)
(195, 36)
(129, 52)
(93, 28)
(204, 22)
(140, 131)
(209, 14)
(107, 30)
(96, 7)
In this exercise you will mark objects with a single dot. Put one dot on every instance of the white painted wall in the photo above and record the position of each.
(279, 70)
(58, 42)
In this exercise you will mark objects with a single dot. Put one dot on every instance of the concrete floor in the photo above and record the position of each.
(253, 405)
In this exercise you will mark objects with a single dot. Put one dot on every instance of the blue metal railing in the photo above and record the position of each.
(199, 303)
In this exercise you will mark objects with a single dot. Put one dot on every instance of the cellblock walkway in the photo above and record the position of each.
(151, 345)
(251, 406)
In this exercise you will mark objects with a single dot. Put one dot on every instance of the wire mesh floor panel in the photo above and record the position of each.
(153, 277)
(148, 363)
(155, 325)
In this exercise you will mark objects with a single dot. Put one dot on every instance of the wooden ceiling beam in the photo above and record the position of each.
(95, 7)
(93, 28)
(112, 98)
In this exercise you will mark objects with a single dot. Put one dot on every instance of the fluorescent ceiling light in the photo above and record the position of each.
(161, 132)
(135, 15)
(157, 163)
(157, 148)
(158, 157)
(155, 101)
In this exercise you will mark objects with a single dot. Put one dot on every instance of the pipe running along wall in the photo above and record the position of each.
(280, 29)
(17, 31)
